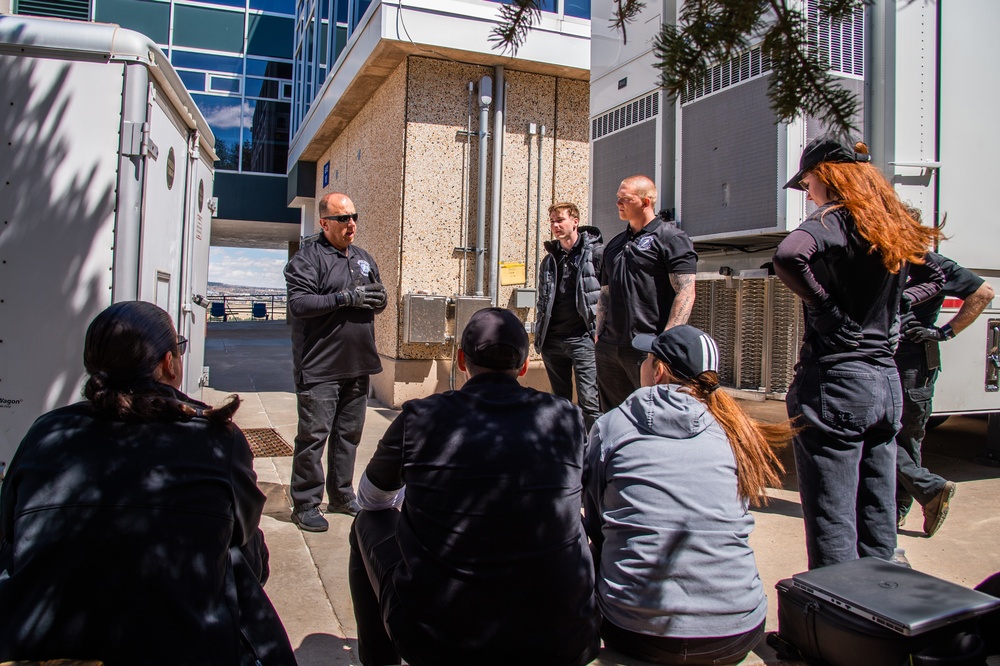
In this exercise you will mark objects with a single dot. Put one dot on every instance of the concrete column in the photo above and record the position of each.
(308, 225)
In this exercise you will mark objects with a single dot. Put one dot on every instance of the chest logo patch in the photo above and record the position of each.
(644, 242)
(364, 266)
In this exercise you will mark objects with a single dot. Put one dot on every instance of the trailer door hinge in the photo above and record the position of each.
(136, 141)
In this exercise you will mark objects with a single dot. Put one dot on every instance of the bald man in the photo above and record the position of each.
(334, 293)
(647, 286)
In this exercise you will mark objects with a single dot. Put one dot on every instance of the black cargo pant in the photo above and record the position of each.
(913, 480)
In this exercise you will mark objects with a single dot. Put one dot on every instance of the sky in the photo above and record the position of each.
(247, 267)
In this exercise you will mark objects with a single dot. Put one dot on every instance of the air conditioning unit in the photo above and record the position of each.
(734, 155)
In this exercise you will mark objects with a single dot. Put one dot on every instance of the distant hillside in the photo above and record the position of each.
(221, 288)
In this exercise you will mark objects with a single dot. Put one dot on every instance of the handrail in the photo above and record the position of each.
(240, 307)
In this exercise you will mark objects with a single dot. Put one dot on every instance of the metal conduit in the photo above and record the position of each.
(498, 135)
(485, 99)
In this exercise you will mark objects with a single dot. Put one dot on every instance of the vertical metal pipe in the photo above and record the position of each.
(532, 129)
(485, 99)
(463, 217)
(538, 205)
(498, 132)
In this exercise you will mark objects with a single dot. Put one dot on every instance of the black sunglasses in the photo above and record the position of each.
(343, 219)
(182, 345)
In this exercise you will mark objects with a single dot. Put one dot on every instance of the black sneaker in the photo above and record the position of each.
(350, 507)
(310, 520)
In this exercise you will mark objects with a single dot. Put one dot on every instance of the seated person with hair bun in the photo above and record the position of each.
(129, 521)
(670, 475)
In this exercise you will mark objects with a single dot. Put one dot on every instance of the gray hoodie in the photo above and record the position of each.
(662, 507)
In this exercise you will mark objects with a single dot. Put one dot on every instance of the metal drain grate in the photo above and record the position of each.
(266, 443)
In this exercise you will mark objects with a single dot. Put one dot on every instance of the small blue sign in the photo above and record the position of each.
(326, 174)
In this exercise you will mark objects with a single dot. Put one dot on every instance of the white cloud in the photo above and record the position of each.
(247, 267)
(227, 116)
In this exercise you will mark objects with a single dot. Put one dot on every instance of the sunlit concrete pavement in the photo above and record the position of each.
(308, 582)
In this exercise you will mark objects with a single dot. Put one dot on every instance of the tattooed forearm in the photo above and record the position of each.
(683, 299)
(602, 309)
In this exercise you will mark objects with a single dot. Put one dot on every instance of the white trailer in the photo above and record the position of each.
(106, 170)
(720, 159)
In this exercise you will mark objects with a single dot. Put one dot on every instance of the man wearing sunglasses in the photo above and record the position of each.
(334, 293)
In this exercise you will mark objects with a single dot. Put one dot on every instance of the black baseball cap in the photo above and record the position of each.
(824, 149)
(495, 339)
(688, 351)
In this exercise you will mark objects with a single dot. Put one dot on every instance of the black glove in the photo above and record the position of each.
(367, 296)
(835, 329)
(920, 334)
(376, 290)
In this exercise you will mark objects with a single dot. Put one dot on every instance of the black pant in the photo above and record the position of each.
(672, 650)
(383, 630)
(913, 479)
(845, 457)
(566, 357)
(617, 373)
(334, 410)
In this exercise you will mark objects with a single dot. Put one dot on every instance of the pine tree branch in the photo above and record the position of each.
(516, 20)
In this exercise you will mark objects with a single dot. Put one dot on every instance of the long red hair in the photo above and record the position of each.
(881, 218)
(753, 442)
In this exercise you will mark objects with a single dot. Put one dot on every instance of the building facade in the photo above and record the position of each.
(452, 152)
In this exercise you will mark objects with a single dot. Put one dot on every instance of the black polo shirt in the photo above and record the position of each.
(637, 269)
(330, 342)
(960, 282)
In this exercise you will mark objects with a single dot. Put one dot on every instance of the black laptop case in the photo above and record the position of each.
(828, 635)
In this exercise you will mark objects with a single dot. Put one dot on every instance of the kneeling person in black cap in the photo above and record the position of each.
(487, 560)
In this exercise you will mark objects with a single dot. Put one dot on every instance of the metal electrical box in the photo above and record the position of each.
(425, 318)
(465, 307)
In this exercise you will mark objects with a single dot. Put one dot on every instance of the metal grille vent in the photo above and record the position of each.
(625, 116)
(67, 9)
(840, 45)
(753, 327)
(726, 325)
(701, 311)
(786, 311)
(266, 443)
(746, 66)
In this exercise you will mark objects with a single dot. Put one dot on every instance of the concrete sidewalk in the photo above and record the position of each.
(308, 582)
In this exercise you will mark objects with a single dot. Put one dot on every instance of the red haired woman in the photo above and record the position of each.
(845, 262)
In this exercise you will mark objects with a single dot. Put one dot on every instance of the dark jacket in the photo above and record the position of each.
(330, 341)
(495, 563)
(588, 287)
(117, 539)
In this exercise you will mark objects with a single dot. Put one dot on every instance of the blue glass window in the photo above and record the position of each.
(262, 88)
(150, 18)
(224, 84)
(265, 144)
(277, 70)
(228, 3)
(224, 117)
(215, 63)
(192, 80)
(271, 36)
(340, 10)
(215, 29)
(360, 7)
(278, 6)
(577, 8)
